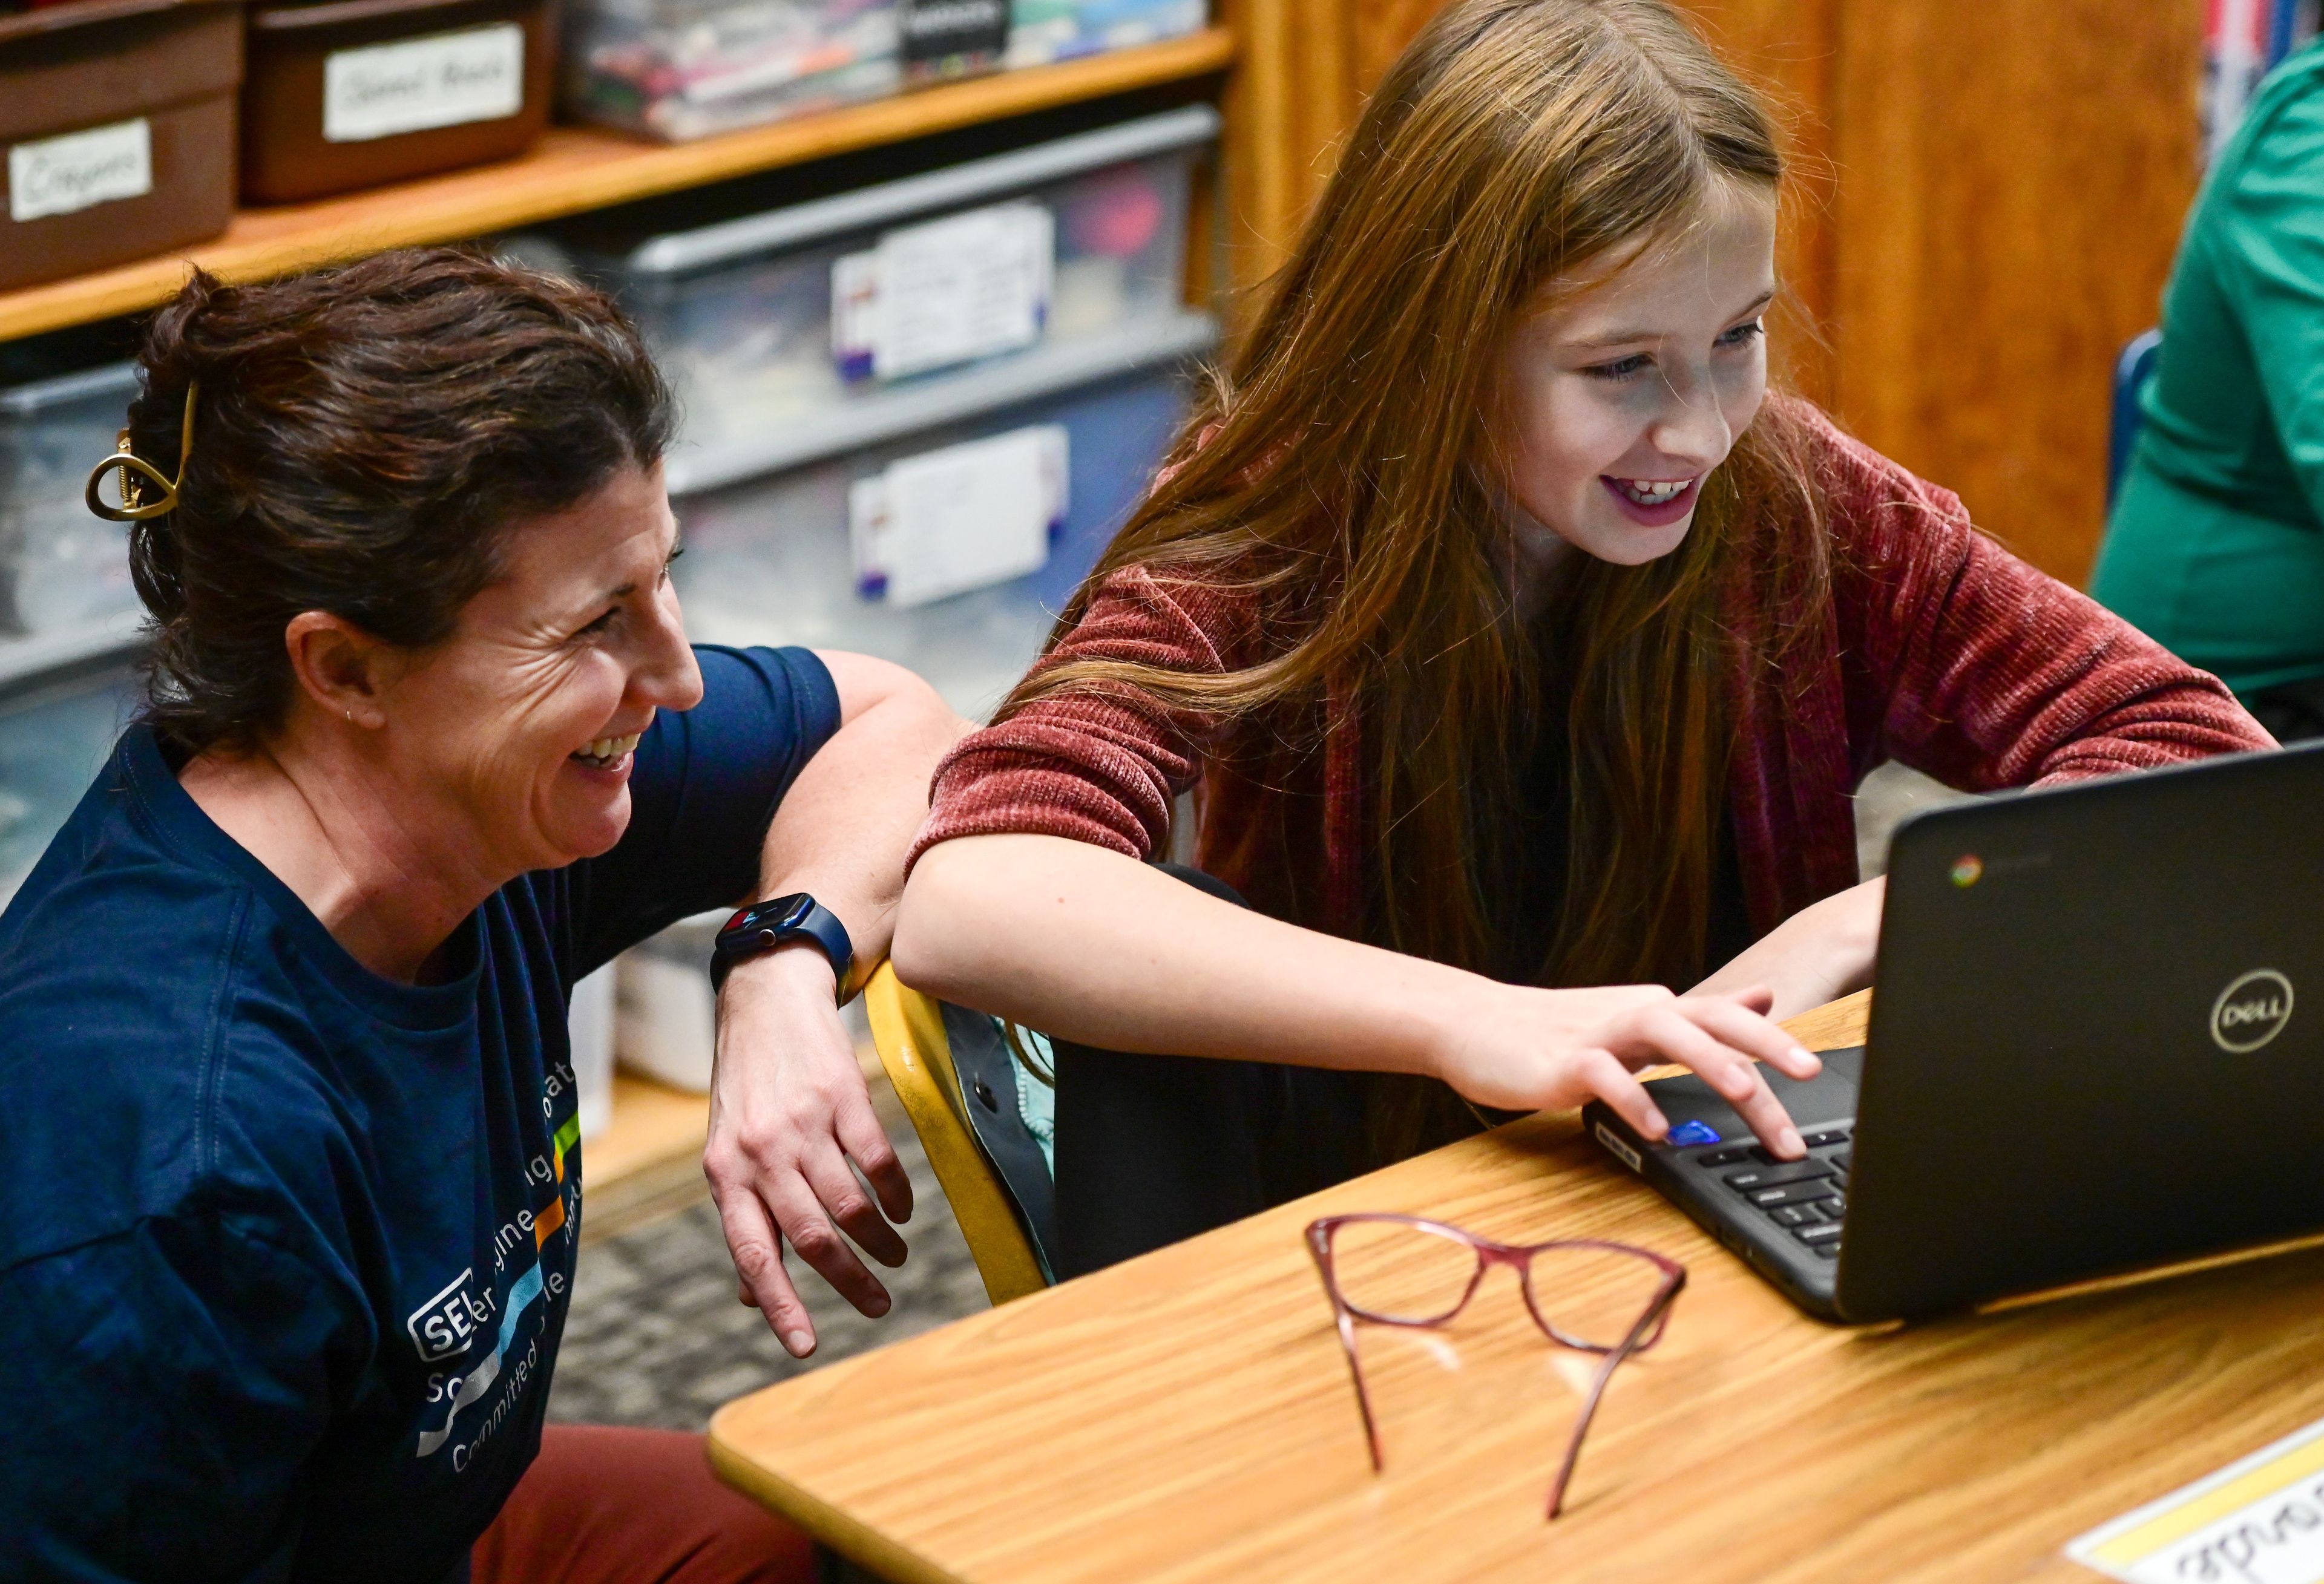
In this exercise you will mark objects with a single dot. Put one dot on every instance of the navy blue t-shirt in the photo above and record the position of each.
(285, 1246)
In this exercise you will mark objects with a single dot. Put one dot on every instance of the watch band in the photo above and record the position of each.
(764, 926)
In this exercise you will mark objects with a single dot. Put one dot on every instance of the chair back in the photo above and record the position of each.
(2132, 371)
(915, 1035)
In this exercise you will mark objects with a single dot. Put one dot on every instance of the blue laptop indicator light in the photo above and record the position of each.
(1693, 1132)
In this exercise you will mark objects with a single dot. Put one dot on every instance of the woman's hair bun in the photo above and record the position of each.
(365, 438)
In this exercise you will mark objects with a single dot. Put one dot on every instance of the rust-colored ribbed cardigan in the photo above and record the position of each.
(1945, 652)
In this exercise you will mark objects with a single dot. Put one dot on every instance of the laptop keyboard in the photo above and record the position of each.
(1806, 1197)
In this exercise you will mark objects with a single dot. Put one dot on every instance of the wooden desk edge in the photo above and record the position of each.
(1834, 1026)
(858, 1543)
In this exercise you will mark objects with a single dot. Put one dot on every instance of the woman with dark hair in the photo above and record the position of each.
(289, 1179)
(1522, 651)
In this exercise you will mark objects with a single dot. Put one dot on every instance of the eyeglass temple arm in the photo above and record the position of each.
(1356, 1373)
(1647, 1322)
(1319, 1248)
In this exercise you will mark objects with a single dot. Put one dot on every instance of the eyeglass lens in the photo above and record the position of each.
(1591, 1297)
(1401, 1273)
(1415, 1274)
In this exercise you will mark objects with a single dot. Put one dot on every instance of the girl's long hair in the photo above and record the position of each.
(1332, 475)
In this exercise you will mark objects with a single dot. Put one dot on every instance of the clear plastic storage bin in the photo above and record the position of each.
(1042, 31)
(785, 333)
(770, 562)
(54, 737)
(685, 68)
(60, 565)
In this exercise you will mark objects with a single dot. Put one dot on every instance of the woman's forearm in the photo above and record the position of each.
(1095, 947)
(843, 829)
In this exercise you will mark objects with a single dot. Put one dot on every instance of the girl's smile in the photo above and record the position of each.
(1653, 504)
(1625, 393)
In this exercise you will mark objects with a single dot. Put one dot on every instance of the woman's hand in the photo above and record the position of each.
(1520, 1049)
(789, 1110)
(1818, 954)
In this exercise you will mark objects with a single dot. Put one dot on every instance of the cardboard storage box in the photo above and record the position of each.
(354, 93)
(118, 119)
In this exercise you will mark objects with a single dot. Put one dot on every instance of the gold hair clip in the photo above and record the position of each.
(134, 507)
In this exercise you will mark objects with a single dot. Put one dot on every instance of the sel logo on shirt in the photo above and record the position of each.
(449, 1323)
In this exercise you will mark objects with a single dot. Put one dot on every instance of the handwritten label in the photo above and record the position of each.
(80, 170)
(963, 517)
(946, 292)
(2260, 1521)
(444, 80)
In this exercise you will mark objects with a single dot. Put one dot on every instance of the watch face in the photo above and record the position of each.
(780, 912)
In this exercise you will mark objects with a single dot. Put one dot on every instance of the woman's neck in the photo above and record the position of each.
(363, 854)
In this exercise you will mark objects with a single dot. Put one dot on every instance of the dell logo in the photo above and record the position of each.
(2251, 1011)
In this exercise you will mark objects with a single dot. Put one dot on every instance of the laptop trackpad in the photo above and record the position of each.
(1828, 1097)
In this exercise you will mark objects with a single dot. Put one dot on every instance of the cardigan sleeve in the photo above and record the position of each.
(1973, 667)
(1098, 768)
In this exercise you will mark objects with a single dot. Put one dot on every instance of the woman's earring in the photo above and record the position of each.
(351, 718)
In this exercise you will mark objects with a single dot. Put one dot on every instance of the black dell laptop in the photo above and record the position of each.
(2086, 1054)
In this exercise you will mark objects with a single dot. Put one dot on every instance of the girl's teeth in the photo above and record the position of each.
(1650, 492)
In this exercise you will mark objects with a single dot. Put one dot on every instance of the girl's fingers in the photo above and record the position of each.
(1612, 1083)
(1678, 1037)
(1748, 1032)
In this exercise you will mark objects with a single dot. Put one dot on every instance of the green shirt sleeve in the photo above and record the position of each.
(2268, 245)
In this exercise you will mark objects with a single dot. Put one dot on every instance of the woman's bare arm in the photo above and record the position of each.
(1090, 946)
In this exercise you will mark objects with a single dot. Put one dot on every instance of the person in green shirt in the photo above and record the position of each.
(2216, 544)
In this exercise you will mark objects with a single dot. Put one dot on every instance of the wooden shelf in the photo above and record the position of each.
(578, 169)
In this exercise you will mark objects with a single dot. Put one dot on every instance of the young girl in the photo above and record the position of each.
(1512, 638)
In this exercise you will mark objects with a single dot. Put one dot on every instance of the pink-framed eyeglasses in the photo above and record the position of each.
(1610, 1299)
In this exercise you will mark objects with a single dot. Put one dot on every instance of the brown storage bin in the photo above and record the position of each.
(353, 93)
(118, 116)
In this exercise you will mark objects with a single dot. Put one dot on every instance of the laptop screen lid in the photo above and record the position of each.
(2097, 1039)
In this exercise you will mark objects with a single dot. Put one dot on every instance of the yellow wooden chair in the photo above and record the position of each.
(909, 1029)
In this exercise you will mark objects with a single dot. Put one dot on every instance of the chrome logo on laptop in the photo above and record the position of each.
(2251, 1011)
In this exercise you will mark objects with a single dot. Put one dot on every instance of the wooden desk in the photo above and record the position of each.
(1188, 1416)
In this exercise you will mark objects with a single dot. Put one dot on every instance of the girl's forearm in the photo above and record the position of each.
(1093, 946)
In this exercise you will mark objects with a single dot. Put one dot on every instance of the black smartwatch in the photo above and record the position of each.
(764, 926)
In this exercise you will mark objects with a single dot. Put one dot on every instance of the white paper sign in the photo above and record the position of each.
(2260, 1521)
(444, 80)
(80, 170)
(947, 521)
(930, 296)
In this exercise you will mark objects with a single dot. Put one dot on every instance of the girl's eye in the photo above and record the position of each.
(1742, 334)
(1622, 368)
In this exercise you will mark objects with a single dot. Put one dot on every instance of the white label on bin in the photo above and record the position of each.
(444, 80)
(80, 170)
(954, 290)
(947, 522)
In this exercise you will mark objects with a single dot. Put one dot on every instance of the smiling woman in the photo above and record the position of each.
(290, 1178)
